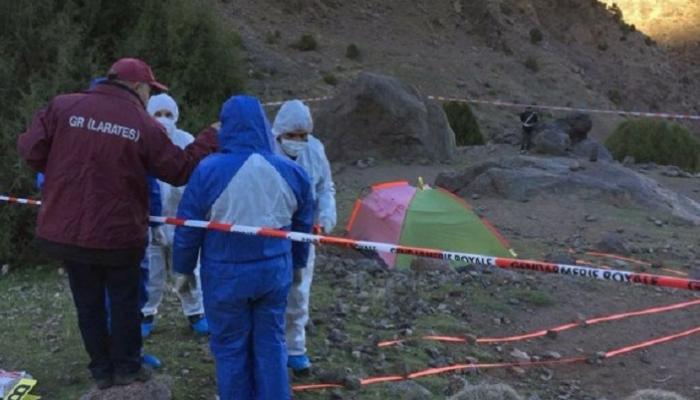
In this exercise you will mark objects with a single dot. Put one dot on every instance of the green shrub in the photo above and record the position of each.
(273, 37)
(306, 42)
(463, 123)
(330, 79)
(536, 36)
(655, 141)
(532, 64)
(352, 52)
(49, 47)
(615, 96)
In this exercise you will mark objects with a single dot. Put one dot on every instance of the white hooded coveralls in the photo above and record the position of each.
(295, 116)
(159, 255)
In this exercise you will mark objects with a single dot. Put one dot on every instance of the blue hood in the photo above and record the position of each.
(244, 126)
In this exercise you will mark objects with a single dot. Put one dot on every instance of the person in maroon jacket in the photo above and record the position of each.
(96, 149)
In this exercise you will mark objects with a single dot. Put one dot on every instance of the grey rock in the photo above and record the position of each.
(589, 148)
(155, 389)
(628, 161)
(521, 178)
(552, 139)
(409, 390)
(560, 258)
(578, 125)
(613, 242)
(653, 394)
(379, 116)
(487, 392)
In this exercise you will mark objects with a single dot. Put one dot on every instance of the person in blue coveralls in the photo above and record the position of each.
(245, 279)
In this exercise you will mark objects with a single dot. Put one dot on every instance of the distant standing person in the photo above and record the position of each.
(529, 120)
(159, 251)
(96, 149)
(292, 129)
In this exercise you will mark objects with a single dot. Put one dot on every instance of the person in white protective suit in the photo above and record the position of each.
(292, 129)
(159, 251)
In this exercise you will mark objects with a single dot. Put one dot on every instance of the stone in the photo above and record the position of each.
(654, 394)
(551, 139)
(487, 392)
(613, 242)
(155, 389)
(520, 355)
(628, 161)
(521, 178)
(592, 150)
(409, 390)
(578, 125)
(379, 116)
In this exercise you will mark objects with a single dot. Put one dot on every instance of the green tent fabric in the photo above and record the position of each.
(399, 213)
(437, 219)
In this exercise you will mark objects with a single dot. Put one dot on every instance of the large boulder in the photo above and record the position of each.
(592, 150)
(578, 125)
(552, 139)
(524, 177)
(379, 116)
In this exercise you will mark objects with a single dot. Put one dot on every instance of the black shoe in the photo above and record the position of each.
(142, 375)
(104, 383)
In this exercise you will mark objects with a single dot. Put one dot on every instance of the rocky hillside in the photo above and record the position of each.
(563, 52)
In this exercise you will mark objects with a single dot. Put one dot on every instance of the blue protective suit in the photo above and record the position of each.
(245, 279)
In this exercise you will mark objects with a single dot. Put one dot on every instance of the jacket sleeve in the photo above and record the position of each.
(34, 144)
(168, 162)
(188, 240)
(302, 220)
(325, 191)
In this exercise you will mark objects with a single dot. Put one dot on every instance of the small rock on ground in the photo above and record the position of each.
(155, 389)
(487, 392)
(653, 394)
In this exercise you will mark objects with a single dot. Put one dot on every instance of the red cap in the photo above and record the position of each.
(134, 70)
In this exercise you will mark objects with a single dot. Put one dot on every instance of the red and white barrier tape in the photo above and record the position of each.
(468, 258)
(499, 103)
(309, 100)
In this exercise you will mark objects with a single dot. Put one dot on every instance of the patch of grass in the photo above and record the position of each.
(532, 64)
(615, 96)
(536, 36)
(656, 141)
(352, 52)
(273, 37)
(330, 79)
(534, 297)
(307, 42)
(463, 123)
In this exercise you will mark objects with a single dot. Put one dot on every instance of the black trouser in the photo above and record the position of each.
(117, 352)
(526, 142)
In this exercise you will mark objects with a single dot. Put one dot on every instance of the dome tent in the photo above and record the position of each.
(398, 213)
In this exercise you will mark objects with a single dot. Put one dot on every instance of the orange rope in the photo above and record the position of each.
(653, 342)
(544, 332)
(458, 367)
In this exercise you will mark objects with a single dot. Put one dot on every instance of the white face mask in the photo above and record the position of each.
(293, 147)
(168, 123)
